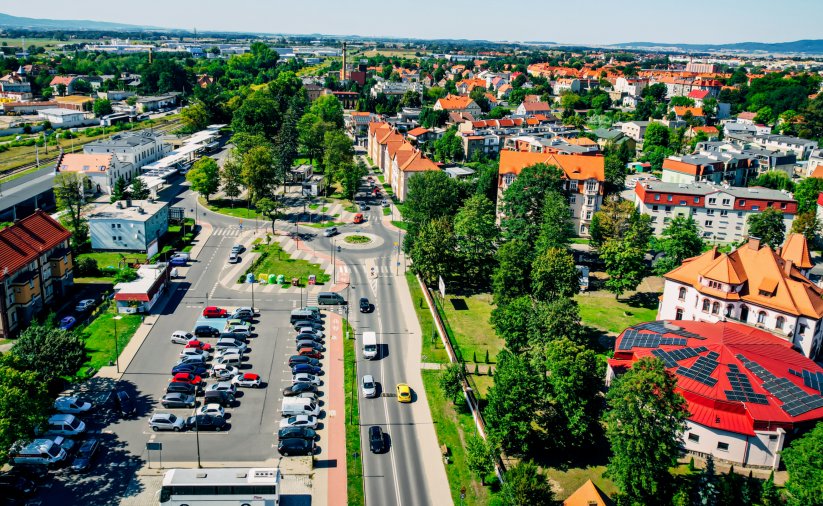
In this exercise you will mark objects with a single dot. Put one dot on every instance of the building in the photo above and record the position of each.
(815, 161)
(735, 169)
(357, 123)
(407, 162)
(457, 104)
(36, 270)
(21, 108)
(75, 102)
(635, 130)
(747, 391)
(102, 171)
(801, 148)
(15, 86)
(584, 178)
(347, 98)
(62, 118)
(129, 225)
(721, 212)
(65, 81)
(156, 103)
(140, 295)
(588, 495)
(395, 88)
(135, 148)
(701, 68)
(754, 285)
(532, 108)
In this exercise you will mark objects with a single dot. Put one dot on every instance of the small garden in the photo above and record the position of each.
(273, 260)
(99, 337)
(357, 239)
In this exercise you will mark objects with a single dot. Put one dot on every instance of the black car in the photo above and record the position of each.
(299, 359)
(225, 399)
(297, 432)
(307, 368)
(178, 400)
(295, 446)
(206, 422)
(178, 387)
(311, 337)
(376, 443)
(197, 368)
(206, 331)
(299, 388)
(124, 402)
(85, 455)
(306, 323)
(307, 343)
(365, 305)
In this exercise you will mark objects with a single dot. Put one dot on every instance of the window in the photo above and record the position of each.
(656, 196)
(697, 200)
(589, 201)
(801, 329)
(741, 203)
(778, 324)
(706, 304)
(682, 202)
(573, 185)
(709, 212)
(755, 208)
(654, 208)
(761, 317)
(723, 446)
(678, 315)
(670, 198)
(588, 215)
(572, 199)
(729, 311)
(682, 294)
(726, 202)
(782, 205)
(712, 200)
(716, 308)
(694, 437)
(113, 225)
(668, 209)
(724, 213)
(708, 223)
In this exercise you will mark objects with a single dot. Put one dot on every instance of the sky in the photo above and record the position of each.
(563, 21)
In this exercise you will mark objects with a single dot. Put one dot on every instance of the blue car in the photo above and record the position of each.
(307, 368)
(177, 261)
(198, 369)
(68, 322)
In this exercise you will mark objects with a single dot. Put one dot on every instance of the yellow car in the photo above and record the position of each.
(403, 393)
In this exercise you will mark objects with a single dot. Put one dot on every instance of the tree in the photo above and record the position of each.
(270, 208)
(329, 109)
(70, 198)
(511, 403)
(625, 257)
(569, 101)
(681, 240)
(770, 495)
(511, 322)
(804, 462)
(119, 190)
(259, 174)
(524, 199)
(644, 422)
(351, 174)
(774, 179)
(24, 402)
(195, 117)
(611, 221)
(526, 486)
(655, 156)
(554, 275)
(615, 172)
(286, 141)
(101, 107)
(258, 114)
(556, 229)
(768, 226)
(204, 177)
(138, 189)
(430, 195)
(449, 146)
(231, 177)
(806, 194)
(479, 457)
(807, 225)
(656, 134)
(433, 251)
(552, 320)
(61, 89)
(514, 267)
(311, 131)
(338, 155)
(451, 382)
(50, 351)
(476, 233)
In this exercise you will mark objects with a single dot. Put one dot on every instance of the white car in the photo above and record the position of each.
(166, 421)
(368, 386)
(248, 380)
(222, 386)
(222, 352)
(84, 305)
(243, 330)
(309, 421)
(311, 330)
(211, 409)
(305, 377)
(181, 337)
(71, 405)
(194, 352)
(224, 372)
(384, 203)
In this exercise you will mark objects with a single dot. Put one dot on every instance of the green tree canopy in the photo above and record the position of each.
(259, 173)
(479, 457)
(476, 233)
(138, 189)
(625, 256)
(451, 382)
(430, 195)
(806, 194)
(329, 109)
(774, 179)
(51, 351)
(511, 403)
(204, 177)
(768, 225)
(556, 229)
(24, 401)
(554, 275)
(612, 221)
(101, 107)
(271, 208)
(433, 250)
(657, 135)
(514, 266)
(804, 462)
(231, 176)
(70, 196)
(524, 199)
(807, 225)
(681, 240)
(511, 322)
(525, 485)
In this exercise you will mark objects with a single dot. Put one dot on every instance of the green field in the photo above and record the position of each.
(273, 260)
(113, 259)
(238, 210)
(602, 311)
(99, 336)
(468, 319)
(354, 469)
(433, 350)
(569, 480)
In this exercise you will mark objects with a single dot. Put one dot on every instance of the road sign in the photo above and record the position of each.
(154, 446)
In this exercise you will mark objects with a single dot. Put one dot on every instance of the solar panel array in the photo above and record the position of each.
(810, 379)
(634, 339)
(662, 328)
(795, 400)
(701, 370)
(742, 389)
(671, 358)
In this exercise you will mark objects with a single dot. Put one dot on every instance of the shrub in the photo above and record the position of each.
(87, 267)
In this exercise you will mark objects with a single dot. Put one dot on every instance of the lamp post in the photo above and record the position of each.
(333, 264)
(116, 347)
(197, 438)
(252, 295)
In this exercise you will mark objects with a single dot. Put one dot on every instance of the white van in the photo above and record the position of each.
(64, 425)
(293, 406)
(44, 452)
(234, 359)
(370, 345)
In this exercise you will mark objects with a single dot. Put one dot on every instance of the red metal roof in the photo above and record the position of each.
(718, 364)
(22, 242)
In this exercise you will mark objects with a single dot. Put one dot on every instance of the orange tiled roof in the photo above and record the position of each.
(678, 166)
(581, 141)
(796, 249)
(705, 129)
(66, 80)
(588, 495)
(575, 167)
(454, 102)
(680, 110)
(418, 163)
(818, 172)
(418, 131)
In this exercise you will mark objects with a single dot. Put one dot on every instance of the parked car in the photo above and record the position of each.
(243, 310)
(368, 386)
(311, 330)
(309, 343)
(71, 405)
(306, 378)
(177, 261)
(183, 255)
(229, 343)
(305, 336)
(242, 330)
(194, 352)
(223, 398)
(181, 337)
(295, 446)
(178, 400)
(213, 409)
(124, 402)
(384, 203)
(222, 386)
(403, 393)
(309, 421)
(248, 380)
(298, 432)
(166, 421)
(364, 206)
(238, 248)
(299, 388)
(198, 368)
(84, 305)
(85, 455)
(376, 439)
(234, 258)
(308, 351)
(182, 388)
(306, 368)
(315, 324)
(192, 359)
(215, 312)
(186, 377)
(297, 359)
(206, 331)
(365, 305)
(206, 422)
(225, 352)
(224, 372)
(200, 345)
(67, 322)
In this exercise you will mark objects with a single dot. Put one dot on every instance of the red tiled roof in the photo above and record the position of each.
(22, 242)
(575, 167)
(65, 80)
(727, 348)
(454, 102)
(418, 131)
(699, 94)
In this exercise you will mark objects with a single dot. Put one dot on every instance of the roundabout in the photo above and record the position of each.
(354, 240)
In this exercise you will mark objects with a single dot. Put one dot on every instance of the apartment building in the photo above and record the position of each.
(731, 168)
(130, 225)
(36, 270)
(101, 171)
(135, 148)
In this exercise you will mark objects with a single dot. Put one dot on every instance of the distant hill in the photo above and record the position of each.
(813, 46)
(8, 21)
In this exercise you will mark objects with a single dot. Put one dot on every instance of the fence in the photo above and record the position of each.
(455, 358)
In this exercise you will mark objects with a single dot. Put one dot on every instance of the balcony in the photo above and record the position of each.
(784, 333)
(590, 189)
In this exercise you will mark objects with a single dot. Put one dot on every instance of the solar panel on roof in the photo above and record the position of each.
(795, 401)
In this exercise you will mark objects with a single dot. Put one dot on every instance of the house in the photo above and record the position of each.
(630, 87)
(140, 295)
(747, 391)
(75, 102)
(101, 171)
(635, 130)
(347, 98)
(157, 103)
(15, 86)
(721, 212)
(699, 96)
(357, 123)
(711, 133)
(588, 494)
(754, 285)
(815, 161)
(735, 169)
(420, 135)
(570, 85)
(801, 148)
(36, 270)
(129, 225)
(457, 104)
(62, 118)
(136, 148)
(820, 208)
(26, 107)
(204, 80)
(584, 178)
(613, 137)
(65, 81)
(532, 108)
(407, 162)
(682, 113)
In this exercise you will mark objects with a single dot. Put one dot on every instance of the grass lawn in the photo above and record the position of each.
(453, 425)
(569, 480)
(357, 239)
(433, 350)
(387, 211)
(354, 469)
(99, 336)
(101, 279)
(224, 206)
(273, 260)
(468, 320)
(601, 310)
(351, 208)
(379, 176)
(400, 224)
(580, 240)
(112, 258)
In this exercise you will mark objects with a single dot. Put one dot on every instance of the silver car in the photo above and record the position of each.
(368, 386)
(166, 421)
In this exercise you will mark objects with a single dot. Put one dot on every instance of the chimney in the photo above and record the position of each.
(754, 243)
(128, 202)
(787, 267)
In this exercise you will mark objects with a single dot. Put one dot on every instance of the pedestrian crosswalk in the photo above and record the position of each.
(227, 231)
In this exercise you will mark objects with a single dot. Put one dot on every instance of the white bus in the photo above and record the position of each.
(228, 486)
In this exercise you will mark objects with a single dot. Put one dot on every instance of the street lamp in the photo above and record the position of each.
(197, 437)
(116, 347)
(333, 264)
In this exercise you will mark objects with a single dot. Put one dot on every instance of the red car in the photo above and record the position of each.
(215, 312)
(309, 352)
(200, 345)
(358, 218)
(187, 377)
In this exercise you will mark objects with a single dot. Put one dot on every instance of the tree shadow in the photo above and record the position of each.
(646, 300)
